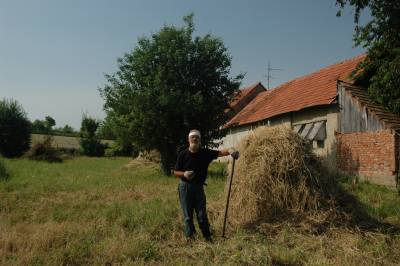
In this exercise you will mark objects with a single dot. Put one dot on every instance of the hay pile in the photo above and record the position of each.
(146, 158)
(277, 175)
(150, 156)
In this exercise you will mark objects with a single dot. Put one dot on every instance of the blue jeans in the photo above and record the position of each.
(192, 197)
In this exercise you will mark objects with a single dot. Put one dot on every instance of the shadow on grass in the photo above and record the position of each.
(358, 216)
(342, 210)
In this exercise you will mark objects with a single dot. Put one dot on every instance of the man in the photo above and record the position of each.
(191, 167)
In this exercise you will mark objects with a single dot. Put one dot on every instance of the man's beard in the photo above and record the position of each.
(194, 146)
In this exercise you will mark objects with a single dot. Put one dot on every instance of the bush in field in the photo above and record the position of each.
(4, 174)
(15, 129)
(92, 147)
(44, 151)
(90, 143)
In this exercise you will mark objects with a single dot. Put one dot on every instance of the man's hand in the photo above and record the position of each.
(189, 175)
(234, 153)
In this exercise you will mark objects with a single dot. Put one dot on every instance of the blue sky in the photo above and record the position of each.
(54, 54)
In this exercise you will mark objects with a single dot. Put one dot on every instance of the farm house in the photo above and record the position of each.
(350, 132)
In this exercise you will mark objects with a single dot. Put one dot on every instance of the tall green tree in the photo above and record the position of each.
(381, 36)
(170, 83)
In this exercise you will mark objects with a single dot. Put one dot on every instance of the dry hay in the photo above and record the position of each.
(276, 176)
(150, 156)
(145, 159)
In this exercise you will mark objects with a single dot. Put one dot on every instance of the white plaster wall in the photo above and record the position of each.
(314, 114)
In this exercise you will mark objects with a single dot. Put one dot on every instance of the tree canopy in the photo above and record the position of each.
(381, 36)
(169, 83)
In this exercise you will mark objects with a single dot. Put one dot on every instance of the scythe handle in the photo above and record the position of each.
(227, 198)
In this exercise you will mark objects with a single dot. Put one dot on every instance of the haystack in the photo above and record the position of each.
(277, 175)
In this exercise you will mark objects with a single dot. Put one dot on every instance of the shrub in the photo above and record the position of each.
(90, 143)
(44, 151)
(92, 147)
(15, 129)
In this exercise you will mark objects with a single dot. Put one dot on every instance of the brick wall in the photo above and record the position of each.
(371, 155)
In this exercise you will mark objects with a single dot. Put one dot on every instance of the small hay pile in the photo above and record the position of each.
(276, 176)
(145, 158)
(151, 156)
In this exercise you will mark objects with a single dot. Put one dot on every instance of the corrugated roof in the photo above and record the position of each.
(318, 88)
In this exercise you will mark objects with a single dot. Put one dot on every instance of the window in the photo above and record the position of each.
(312, 131)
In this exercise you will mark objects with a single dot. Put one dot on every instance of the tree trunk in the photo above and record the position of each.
(167, 162)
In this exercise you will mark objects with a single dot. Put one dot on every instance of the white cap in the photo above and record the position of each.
(194, 132)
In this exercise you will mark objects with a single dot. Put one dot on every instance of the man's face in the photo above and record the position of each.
(194, 142)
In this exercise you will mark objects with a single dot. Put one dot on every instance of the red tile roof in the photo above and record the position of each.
(243, 92)
(318, 88)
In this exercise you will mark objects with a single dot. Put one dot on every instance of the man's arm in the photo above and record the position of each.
(224, 152)
(234, 153)
(179, 173)
(186, 175)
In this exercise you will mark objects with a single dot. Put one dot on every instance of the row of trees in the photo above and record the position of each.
(16, 129)
(104, 129)
(47, 126)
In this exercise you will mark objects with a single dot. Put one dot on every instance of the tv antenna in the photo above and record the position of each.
(269, 77)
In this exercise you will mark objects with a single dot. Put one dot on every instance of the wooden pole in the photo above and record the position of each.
(227, 198)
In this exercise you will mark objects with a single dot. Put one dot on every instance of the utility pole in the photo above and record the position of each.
(269, 77)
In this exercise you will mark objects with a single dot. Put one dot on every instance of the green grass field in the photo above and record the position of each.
(106, 211)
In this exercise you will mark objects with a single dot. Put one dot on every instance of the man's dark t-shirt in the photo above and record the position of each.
(197, 162)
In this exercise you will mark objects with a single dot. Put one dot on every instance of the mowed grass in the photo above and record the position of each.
(104, 211)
